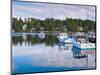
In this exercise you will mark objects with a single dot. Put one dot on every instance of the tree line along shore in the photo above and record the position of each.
(52, 25)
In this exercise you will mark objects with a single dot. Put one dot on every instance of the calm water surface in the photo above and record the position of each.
(32, 53)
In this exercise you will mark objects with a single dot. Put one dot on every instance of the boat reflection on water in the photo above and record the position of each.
(88, 55)
(77, 53)
(47, 54)
(65, 46)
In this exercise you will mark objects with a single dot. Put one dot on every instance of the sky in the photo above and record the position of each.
(57, 11)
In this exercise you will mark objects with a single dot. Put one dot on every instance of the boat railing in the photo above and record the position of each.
(82, 40)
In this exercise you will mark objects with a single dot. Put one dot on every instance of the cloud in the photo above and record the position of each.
(58, 11)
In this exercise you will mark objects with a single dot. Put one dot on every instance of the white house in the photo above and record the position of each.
(24, 27)
(81, 28)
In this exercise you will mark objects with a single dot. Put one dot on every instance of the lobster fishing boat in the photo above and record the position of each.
(65, 40)
(84, 44)
(63, 37)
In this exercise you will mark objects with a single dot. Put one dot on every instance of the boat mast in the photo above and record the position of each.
(87, 16)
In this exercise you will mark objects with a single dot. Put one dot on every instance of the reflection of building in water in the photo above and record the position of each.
(41, 35)
(24, 36)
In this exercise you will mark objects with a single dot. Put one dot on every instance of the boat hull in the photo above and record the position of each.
(85, 46)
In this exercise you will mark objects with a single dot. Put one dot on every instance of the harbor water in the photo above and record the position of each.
(35, 53)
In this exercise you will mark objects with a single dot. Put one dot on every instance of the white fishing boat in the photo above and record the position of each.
(83, 44)
(66, 41)
(63, 37)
